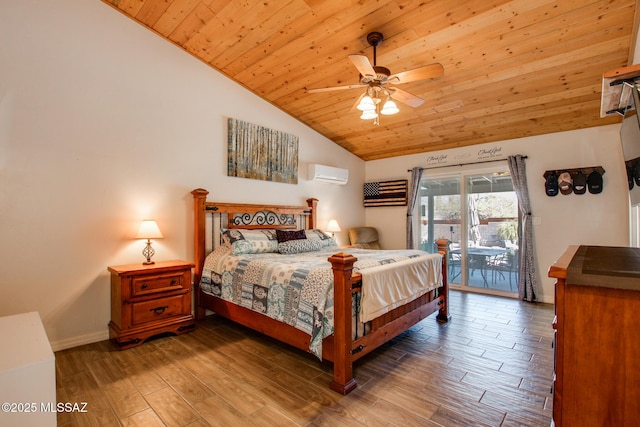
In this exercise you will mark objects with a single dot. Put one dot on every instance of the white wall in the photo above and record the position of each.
(103, 124)
(588, 219)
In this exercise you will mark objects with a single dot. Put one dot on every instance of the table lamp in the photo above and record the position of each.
(148, 230)
(333, 226)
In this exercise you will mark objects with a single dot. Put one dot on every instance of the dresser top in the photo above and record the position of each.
(156, 267)
(558, 269)
(605, 266)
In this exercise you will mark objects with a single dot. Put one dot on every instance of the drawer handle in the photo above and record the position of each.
(159, 310)
(173, 282)
(144, 286)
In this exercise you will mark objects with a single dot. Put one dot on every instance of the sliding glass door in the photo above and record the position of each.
(478, 214)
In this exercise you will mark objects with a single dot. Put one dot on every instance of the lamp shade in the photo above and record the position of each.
(369, 115)
(149, 230)
(389, 108)
(366, 104)
(333, 226)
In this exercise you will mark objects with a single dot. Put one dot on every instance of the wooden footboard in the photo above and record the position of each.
(384, 328)
(340, 348)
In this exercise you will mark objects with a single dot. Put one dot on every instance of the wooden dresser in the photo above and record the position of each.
(148, 300)
(597, 339)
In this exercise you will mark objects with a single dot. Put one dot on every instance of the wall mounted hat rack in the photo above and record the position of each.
(573, 181)
(585, 170)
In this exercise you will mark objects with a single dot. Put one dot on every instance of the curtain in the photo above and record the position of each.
(414, 190)
(527, 278)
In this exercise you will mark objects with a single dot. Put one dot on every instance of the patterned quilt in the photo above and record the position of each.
(294, 289)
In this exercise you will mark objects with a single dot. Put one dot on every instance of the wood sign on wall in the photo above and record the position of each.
(385, 193)
(257, 152)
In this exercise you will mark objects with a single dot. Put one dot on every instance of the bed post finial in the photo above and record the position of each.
(443, 248)
(199, 241)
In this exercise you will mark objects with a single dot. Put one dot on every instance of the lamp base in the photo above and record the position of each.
(148, 252)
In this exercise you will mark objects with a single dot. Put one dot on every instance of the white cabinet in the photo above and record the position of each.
(27, 372)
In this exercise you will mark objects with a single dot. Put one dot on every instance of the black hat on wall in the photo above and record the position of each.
(579, 183)
(635, 171)
(551, 185)
(594, 182)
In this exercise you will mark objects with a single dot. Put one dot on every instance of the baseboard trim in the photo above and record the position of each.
(80, 340)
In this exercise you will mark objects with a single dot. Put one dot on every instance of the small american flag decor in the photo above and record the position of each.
(385, 193)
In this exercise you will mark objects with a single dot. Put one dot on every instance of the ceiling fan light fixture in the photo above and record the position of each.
(366, 104)
(378, 81)
(389, 108)
(369, 115)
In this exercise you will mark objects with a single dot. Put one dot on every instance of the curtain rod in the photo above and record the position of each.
(464, 164)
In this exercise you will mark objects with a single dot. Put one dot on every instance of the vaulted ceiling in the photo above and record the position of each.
(512, 68)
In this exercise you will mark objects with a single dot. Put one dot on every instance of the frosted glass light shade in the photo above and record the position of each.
(366, 104)
(149, 230)
(389, 108)
(368, 115)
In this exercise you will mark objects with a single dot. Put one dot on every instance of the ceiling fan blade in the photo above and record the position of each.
(332, 88)
(406, 98)
(363, 65)
(427, 72)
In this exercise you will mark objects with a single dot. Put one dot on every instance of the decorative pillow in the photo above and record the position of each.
(286, 235)
(250, 241)
(321, 236)
(298, 246)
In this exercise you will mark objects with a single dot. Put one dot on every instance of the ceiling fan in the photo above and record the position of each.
(378, 80)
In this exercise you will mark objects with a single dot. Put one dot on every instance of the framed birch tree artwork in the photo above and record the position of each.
(257, 152)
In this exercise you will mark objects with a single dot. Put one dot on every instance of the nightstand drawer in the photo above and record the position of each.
(159, 283)
(158, 309)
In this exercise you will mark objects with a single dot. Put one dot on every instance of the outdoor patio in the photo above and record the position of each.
(487, 276)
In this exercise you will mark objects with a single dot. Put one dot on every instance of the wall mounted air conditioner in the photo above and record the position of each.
(328, 174)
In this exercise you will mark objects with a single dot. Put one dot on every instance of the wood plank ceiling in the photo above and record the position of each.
(512, 68)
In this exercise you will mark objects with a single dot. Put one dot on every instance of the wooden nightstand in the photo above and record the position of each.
(148, 300)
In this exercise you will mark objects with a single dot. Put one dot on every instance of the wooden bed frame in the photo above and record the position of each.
(338, 348)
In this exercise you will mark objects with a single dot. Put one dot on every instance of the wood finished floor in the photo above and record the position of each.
(491, 365)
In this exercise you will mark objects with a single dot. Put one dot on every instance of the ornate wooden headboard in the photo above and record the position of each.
(245, 216)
